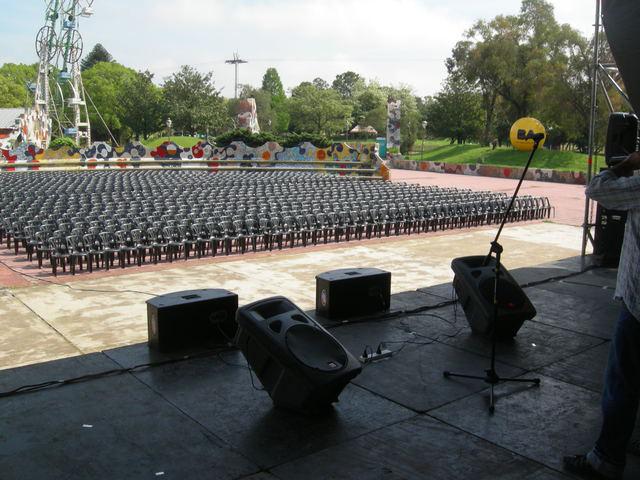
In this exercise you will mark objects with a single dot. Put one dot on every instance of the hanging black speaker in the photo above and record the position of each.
(474, 284)
(191, 318)
(299, 363)
(622, 137)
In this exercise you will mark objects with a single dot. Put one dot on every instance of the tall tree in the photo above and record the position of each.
(455, 112)
(106, 84)
(370, 107)
(272, 84)
(348, 84)
(96, 55)
(321, 83)
(515, 59)
(318, 110)
(142, 105)
(193, 102)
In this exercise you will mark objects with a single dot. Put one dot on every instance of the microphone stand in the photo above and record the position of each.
(491, 375)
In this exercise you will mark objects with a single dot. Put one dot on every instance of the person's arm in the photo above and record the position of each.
(615, 188)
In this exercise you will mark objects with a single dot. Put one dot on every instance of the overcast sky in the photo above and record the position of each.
(393, 41)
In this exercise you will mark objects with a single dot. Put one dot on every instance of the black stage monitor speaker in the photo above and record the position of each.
(474, 284)
(622, 137)
(300, 364)
(191, 318)
(352, 292)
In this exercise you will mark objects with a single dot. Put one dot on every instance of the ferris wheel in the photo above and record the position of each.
(59, 93)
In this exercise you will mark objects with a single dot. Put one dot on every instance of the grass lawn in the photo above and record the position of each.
(442, 151)
(182, 141)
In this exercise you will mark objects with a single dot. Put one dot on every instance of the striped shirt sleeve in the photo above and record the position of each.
(614, 192)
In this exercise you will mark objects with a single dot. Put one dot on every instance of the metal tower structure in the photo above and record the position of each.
(235, 62)
(602, 74)
(59, 93)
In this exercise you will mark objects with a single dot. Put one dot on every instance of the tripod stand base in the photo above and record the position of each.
(493, 379)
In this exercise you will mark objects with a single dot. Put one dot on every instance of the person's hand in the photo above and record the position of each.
(628, 165)
(633, 161)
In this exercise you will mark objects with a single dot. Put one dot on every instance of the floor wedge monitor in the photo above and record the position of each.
(474, 284)
(352, 292)
(192, 318)
(299, 363)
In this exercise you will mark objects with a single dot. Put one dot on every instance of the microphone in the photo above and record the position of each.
(536, 137)
(530, 135)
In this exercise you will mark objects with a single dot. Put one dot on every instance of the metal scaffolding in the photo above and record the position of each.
(602, 74)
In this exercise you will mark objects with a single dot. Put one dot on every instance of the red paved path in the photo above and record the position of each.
(567, 199)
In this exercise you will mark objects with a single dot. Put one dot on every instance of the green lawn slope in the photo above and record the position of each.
(442, 151)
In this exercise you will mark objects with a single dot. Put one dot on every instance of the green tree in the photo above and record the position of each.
(272, 84)
(370, 107)
(142, 105)
(106, 84)
(348, 84)
(96, 55)
(193, 103)
(515, 61)
(321, 83)
(14, 79)
(455, 112)
(317, 110)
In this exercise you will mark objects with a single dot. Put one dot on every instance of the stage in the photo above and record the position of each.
(400, 419)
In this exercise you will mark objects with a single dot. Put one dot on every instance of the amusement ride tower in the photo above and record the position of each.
(59, 93)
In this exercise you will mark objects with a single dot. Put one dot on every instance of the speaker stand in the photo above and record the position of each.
(491, 375)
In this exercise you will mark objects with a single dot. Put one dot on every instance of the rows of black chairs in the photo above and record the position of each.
(104, 218)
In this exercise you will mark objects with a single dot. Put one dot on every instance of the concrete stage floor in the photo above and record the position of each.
(400, 419)
(201, 417)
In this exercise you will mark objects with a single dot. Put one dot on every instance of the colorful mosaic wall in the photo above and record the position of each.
(539, 174)
(32, 126)
(340, 157)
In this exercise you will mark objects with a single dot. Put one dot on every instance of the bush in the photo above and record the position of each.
(62, 142)
(258, 139)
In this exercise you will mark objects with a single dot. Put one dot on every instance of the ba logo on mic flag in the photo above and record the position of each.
(524, 132)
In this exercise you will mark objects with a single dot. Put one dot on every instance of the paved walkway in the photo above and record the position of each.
(569, 200)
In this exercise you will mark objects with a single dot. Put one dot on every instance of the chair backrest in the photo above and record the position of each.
(107, 239)
(92, 241)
